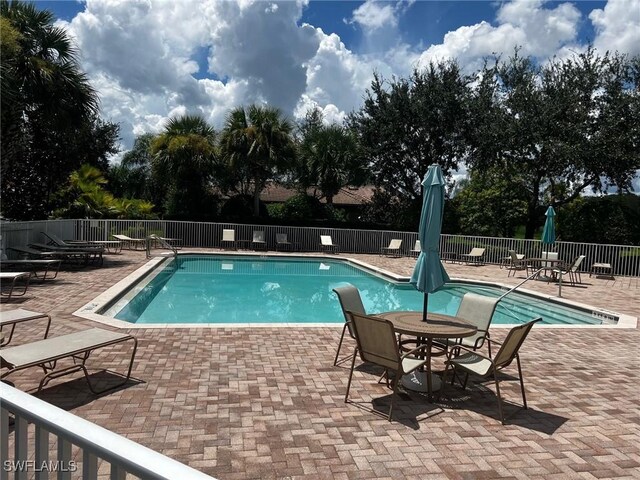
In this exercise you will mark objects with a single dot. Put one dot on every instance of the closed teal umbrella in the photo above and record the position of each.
(549, 231)
(429, 273)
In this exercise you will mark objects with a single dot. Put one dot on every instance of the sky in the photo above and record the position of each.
(151, 60)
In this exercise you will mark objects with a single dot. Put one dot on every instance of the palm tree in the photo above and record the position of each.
(183, 156)
(330, 159)
(45, 95)
(257, 141)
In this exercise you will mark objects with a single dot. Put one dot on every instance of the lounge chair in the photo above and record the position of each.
(377, 344)
(326, 244)
(57, 241)
(541, 264)
(13, 278)
(258, 240)
(131, 243)
(570, 269)
(34, 266)
(13, 317)
(229, 236)
(282, 242)
(75, 346)
(350, 301)
(474, 256)
(416, 249)
(394, 247)
(472, 362)
(85, 254)
(516, 262)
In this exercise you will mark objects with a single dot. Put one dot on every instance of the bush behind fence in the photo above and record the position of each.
(625, 260)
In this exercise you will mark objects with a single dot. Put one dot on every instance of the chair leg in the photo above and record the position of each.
(524, 396)
(353, 362)
(344, 329)
(495, 379)
(396, 379)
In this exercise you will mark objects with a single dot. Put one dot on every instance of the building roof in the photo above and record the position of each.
(276, 193)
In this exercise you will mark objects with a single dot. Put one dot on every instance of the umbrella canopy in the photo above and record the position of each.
(549, 231)
(429, 273)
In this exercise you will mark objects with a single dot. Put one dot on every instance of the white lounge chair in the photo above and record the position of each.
(12, 278)
(416, 249)
(258, 240)
(77, 346)
(282, 242)
(131, 243)
(327, 244)
(229, 236)
(394, 247)
(10, 318)
(474, 256)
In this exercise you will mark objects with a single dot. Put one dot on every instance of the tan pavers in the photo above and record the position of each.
(246, 403)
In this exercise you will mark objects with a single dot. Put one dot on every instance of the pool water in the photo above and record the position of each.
(217, 289)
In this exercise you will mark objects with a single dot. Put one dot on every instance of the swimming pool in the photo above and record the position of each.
(204, 289)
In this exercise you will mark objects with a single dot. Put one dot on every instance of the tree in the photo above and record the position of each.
(183, 156)
(490, 204)
(256, 144)
(45, 101)
(132, 177)
(559, 129)
(86, 197)
(330, 159)
(408, 124)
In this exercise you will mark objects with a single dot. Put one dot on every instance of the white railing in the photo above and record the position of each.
(32, 455)
(624, 259)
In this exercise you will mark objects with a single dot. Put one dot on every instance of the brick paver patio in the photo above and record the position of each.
(266, 403)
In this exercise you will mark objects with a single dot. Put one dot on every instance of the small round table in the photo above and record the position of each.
(436, 326)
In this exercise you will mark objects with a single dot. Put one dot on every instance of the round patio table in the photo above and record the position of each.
(436, 326)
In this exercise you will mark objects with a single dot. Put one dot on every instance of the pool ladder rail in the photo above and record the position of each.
(153, 238)
(533, 275)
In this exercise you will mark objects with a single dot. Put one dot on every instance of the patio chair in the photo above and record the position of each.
(350, 301)
(76, 346)
(13, 278)
(258, 240)
(472, 362)
(477, 310)
(394, 247)
(229, 236)
(377, 344)
(34, 266)
(326, 244)
(131, 243)
(571, 270)
(474, 256)
(13, 317)
(282, 242)
(416, 249)
(516, 262)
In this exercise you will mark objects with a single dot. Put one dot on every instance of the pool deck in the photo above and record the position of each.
(266, 403)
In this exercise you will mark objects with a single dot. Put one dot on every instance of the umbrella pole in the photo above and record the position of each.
(424, 307)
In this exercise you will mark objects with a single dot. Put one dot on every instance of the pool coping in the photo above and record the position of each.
(90, 311)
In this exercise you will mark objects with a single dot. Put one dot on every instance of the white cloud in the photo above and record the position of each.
(540, 32)
(617, 26)
(373, 15)
(142, 55)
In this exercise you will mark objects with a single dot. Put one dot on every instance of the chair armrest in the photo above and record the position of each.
(412, 352)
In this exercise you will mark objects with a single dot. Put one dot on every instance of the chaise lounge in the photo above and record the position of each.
(76, 346)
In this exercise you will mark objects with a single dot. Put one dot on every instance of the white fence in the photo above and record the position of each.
(625, 260)
(31, 453)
